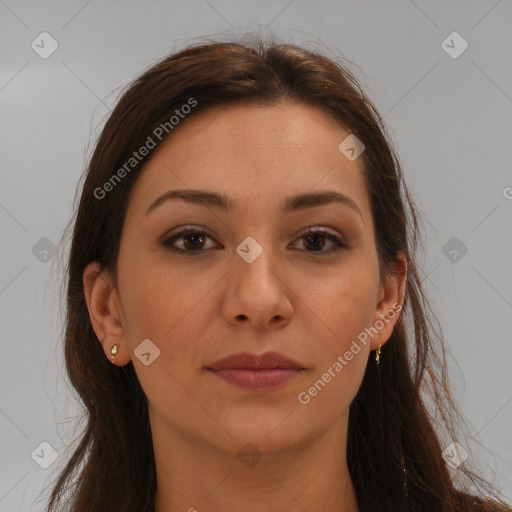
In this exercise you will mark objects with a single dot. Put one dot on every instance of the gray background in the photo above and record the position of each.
(449, 117)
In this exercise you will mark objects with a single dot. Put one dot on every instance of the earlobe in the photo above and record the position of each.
(104, 312)
(390, 304)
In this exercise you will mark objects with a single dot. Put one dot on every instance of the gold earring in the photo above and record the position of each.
(377, 355)
(113, 351)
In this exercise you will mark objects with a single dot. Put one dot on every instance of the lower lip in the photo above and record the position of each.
(258, 380)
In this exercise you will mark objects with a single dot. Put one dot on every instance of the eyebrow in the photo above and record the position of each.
(224, 203)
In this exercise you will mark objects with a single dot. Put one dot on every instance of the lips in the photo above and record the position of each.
(257, 373)
(248, 361)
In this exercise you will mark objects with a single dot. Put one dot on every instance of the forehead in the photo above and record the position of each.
(253, 152)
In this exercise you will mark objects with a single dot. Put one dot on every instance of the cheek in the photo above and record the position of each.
(163, 303)
(343, 304)
(154, 304)
(172, 311)
(346, 307)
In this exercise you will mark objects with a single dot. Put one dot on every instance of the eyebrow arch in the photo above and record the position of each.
(225, 204)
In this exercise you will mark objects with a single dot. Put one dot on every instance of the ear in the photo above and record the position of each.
(105, 312)
(390, 303)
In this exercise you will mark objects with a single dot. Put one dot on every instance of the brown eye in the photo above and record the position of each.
(192, 241)
(316, 240)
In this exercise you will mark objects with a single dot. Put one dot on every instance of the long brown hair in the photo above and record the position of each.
(394, 449)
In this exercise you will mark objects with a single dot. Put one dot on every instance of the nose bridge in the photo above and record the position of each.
(255, 258)
(257, 292)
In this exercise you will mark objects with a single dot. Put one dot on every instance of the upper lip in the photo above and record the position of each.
(255, 362)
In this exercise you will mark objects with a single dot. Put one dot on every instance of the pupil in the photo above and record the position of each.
(198, 240)
(315, 237)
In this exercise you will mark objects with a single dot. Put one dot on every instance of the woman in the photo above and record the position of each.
(245, 321)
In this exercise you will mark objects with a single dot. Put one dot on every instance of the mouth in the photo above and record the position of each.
(257, 373)
(258, 380)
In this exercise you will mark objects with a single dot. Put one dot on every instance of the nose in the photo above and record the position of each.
(257, 293)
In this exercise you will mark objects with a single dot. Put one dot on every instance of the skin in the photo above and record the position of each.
(291, 299)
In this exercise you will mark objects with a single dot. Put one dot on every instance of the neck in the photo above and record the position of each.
(195, 476)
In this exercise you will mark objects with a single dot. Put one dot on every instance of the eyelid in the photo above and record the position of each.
(319, 229)
(183, 229)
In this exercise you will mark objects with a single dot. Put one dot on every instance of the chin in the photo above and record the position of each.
(268, 435)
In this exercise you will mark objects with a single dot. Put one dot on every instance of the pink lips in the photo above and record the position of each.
(258, 373)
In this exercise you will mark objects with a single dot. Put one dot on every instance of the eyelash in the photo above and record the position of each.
(167, 243)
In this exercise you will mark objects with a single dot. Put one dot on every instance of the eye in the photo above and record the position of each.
(316, 239)
(192, 241)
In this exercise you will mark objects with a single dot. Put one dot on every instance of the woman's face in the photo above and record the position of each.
(260, 280)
